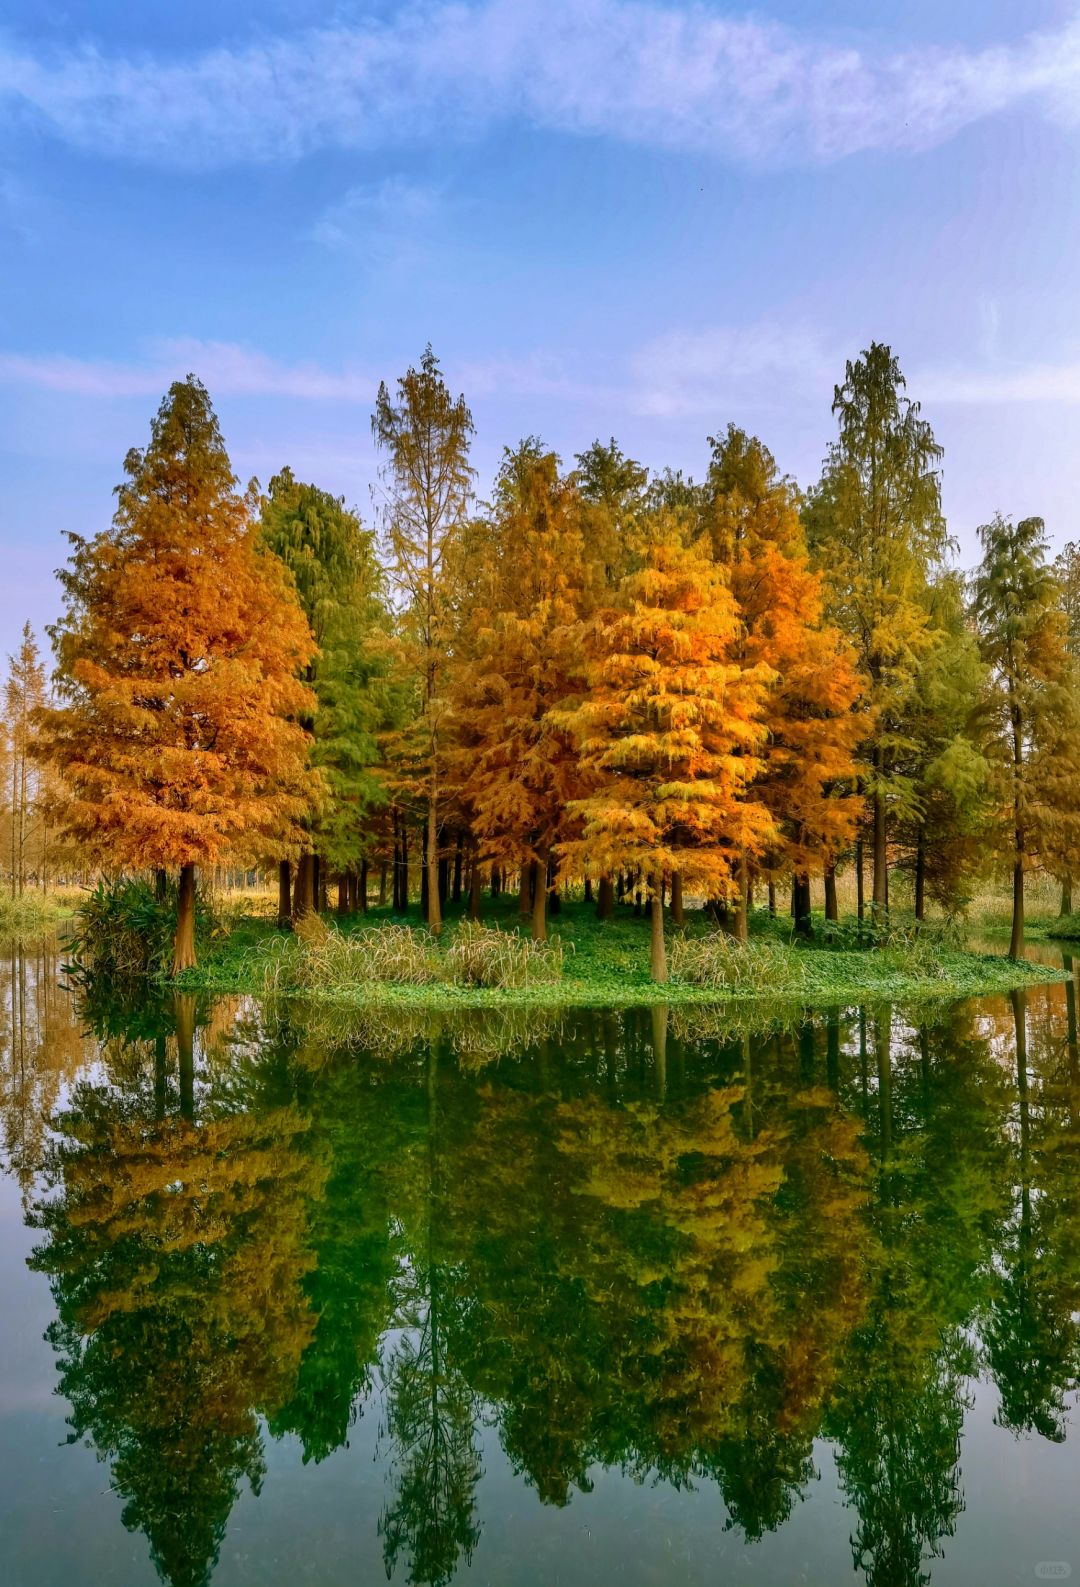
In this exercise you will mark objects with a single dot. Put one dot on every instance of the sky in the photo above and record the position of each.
(630, 218)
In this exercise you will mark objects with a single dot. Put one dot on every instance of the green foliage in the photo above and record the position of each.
(123, 929)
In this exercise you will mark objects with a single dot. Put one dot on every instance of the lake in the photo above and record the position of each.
(647, 1298)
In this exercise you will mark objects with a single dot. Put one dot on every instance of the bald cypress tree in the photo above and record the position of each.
(177, 727)
(876, 532)
(1030, 718)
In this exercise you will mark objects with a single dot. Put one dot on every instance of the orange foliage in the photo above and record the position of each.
(179, 652)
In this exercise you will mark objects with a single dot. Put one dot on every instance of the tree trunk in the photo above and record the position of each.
(184, 943)
(525, 888)
(303, 902)
(605, 902)
(881, 885)
(161, 884)
(459, 859)
(362, 887)
(920, 877)
(434, 909)
(475, 882)
(678, 916)
(1016, 940)
(860, 888)
(832, 911)
(284, 894)
(588, 890)
(539, 901)
(1066, 897)
(382, 885)
(741, 924)
(657, 952)
(496, 881)
(801, 906)
(772, 898)
(316, 882)
(343, 894)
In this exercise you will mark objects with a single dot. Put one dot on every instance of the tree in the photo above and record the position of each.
(519, 641)
(24, 695)
(425, 434)
(948, 772)
(178, 723)
(750, 516)
(876, 531)
(1067, 573)
(1031, 721)
(668, 727)
(332, 561)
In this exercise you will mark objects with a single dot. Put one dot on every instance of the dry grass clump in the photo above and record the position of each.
(719, 962)
(330, 960)
(484, 956)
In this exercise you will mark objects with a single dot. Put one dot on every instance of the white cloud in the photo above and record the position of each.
(383, 224)
(994, 384)
(674, 75)
(226, 368)
(708, 369)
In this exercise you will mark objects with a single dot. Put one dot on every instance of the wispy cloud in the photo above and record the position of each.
(674, 75)
(1002, 384)
(227, 368)
(713, 368)
(383, 224)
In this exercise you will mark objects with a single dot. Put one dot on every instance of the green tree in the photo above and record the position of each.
(425, 435)
(876, 531)
(332, 560)
(1030, 720)
(24, 695)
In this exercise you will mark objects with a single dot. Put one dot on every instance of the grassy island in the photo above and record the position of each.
(380, 958)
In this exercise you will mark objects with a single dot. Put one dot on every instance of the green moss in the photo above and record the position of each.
(607, 965)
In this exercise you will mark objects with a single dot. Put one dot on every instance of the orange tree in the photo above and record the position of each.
(518, 644)
(669, 727)
(178, 653)
(751, 518)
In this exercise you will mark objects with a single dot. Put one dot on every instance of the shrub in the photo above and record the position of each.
(123, 929)
(484, 956)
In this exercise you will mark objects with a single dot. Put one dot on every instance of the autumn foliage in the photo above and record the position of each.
(639, 686)
(177, 727)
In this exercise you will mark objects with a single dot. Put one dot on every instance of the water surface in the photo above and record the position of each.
(568, 1299)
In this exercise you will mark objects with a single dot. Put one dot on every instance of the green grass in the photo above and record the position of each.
(32, 915)
(368, 961)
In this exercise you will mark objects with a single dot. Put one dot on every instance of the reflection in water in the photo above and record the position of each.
(637, 1243)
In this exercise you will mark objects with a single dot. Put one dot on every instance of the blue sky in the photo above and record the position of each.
(640, 218)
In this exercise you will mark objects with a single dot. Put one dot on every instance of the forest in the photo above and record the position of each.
(635, 690)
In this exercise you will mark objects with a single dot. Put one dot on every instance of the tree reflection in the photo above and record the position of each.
(652, 1243)
(175, 1252)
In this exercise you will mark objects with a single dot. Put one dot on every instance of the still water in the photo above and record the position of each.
(600, 1298)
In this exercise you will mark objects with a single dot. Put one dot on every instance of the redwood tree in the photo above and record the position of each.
(177, 722)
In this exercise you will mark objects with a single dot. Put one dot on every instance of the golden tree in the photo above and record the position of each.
(808, 771)
(519, 641)
(176, 728)
(669, 728)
